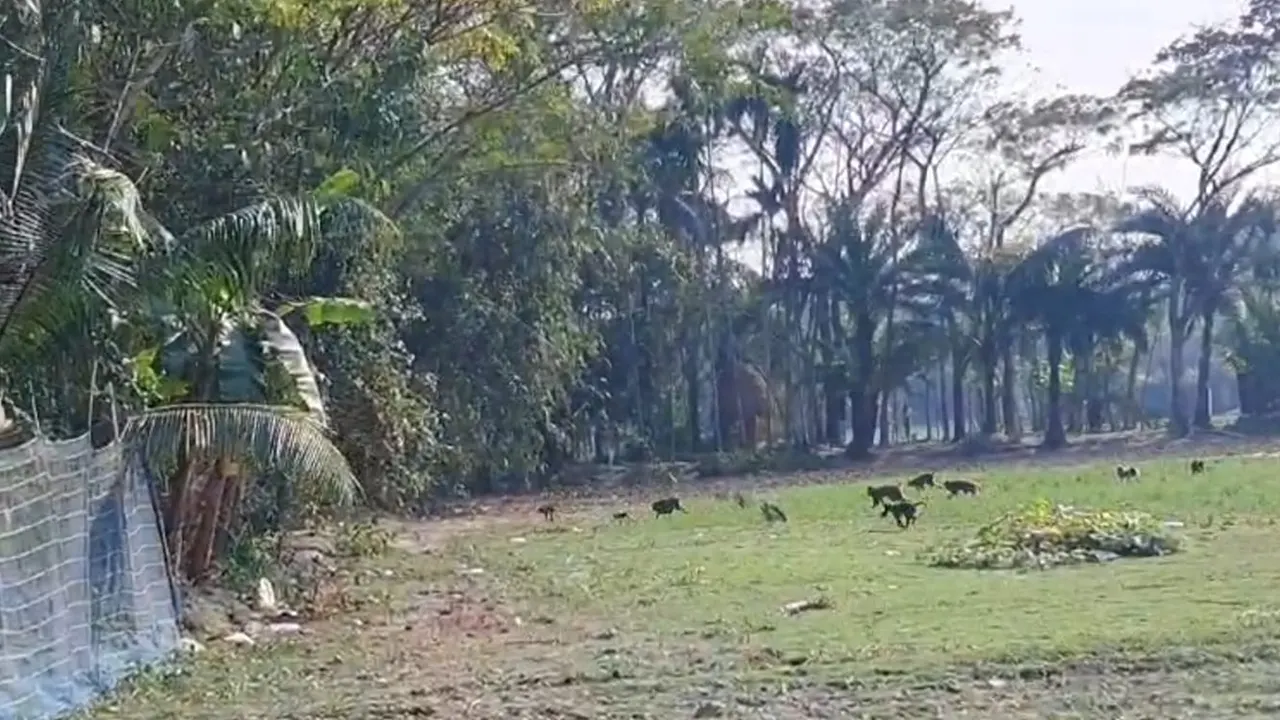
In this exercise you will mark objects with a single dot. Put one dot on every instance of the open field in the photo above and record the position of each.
(680, 616)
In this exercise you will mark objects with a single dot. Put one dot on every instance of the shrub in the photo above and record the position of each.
(1045, 535)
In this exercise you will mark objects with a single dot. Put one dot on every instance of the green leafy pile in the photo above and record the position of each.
(1045, 535)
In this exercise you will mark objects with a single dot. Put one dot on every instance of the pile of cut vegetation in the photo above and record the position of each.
(1045, 535)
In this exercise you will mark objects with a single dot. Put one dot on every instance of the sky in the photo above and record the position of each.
(1093, 47)
(1088, 47)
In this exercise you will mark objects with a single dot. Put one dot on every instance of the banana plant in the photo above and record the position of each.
(234, 393)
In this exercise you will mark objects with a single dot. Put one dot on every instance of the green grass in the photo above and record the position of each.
(721, 574)
(693, 602)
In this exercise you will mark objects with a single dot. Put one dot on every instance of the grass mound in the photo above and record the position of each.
(1044, 535)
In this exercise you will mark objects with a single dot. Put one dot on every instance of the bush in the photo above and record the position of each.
(1045, 535)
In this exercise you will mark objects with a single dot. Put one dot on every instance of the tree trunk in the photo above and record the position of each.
(942, 401)
(834, 394)
(928, 407)
(693, 417)
(1177, 338)
(1204, 413)
(1090, 388)
(1055, 435)
(1009, 390)
(646, 387)
(176, 500)
(862, 395)
(216, 495)
(990, 421)
(959, 419)
(990, 360)
(1131, 390)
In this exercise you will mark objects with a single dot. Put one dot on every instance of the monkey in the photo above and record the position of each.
(666, 506)
(772, 513)
(883, 493)
(904, 512)
(921, 481)
(621, 515)
(548, 511)
(740, 499)
(1126, 473)
(1197, 467)
(960, 487)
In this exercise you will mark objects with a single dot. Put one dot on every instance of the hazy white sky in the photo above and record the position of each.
(1093, 46)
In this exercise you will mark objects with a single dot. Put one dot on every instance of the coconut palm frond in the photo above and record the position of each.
(73, 221)
(255, 242)
(281, 438)
(1154, 220)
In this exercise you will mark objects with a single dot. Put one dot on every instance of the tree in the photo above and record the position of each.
(1206, 99)
(1031, 141)
(224, 354)
(1069, 289)
(1200, 259)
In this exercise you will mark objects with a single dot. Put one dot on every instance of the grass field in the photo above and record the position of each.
(595, 618)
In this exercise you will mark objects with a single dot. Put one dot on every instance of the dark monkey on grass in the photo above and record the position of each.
(904, 512)
(960, 487)
(772, 513)
(666, 506)
(883, 493)
(921, 481)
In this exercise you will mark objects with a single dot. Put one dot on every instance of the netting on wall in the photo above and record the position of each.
(85, 596)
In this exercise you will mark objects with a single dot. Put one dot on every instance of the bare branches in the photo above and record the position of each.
(1208, 99)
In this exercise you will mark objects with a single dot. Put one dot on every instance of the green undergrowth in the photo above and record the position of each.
(1044, 535)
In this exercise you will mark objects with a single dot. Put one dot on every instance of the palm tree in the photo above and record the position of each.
(861, 262)
(1067, 287)
(1199, 258)
(71, 228)
(1254, 332)
(945, 272)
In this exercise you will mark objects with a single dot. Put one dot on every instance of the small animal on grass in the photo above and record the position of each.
(904, 512)
(960, 487)
(548, 511)
(666, 506)
(1126, 473)
(1197, 467)
(621, 515)
(740, 499)
(921, 481)
(884, 493)
(772, 513)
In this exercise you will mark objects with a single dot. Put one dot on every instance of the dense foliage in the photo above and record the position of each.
(472, 243)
